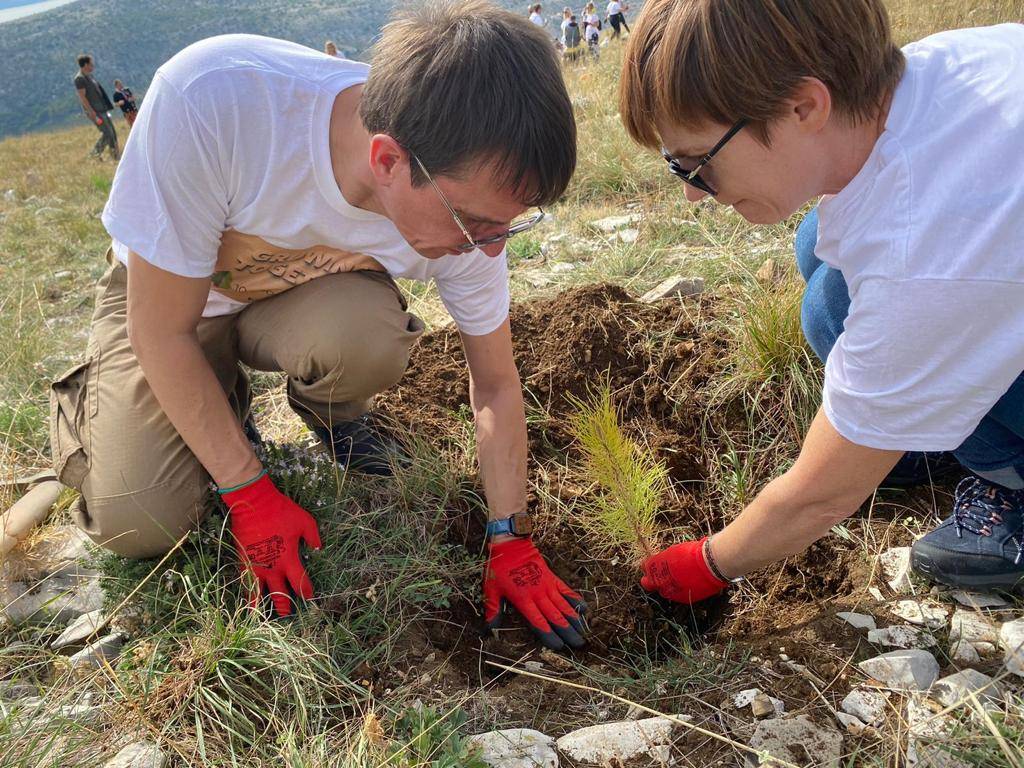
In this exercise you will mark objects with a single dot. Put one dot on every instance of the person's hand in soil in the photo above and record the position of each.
(681, 574)
(267, 527)
(516, 573)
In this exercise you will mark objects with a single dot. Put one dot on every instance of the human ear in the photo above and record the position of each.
(810, 105)
(388, 159)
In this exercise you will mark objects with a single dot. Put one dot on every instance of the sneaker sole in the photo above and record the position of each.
(1005, 581)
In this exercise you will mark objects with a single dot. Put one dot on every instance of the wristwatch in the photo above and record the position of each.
(520, 524)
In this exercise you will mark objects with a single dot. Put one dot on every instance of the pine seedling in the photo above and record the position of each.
(631, 481)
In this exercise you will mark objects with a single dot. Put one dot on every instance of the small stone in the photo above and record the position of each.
(621, 741)
(963, 652)
(924, 614)
(611, 224)
(797, 740)
(80, 629)
(1011, 637)
(984, 649)
(562, 266)
(770, 272)
(978, 600)
(59, 598)
(973, 627)
(105, 649)
(673, 287)
(762, 706)
(852, 725)
(901, 637)
(926, 730)
(516, 748)
(956, 688)
(533, 666)
(628, 236)
(912, 669)
(866, 705)
(745, 698)
(895, 565)
(857, 620)
(10, 196)
(876, 593)
(141, 754)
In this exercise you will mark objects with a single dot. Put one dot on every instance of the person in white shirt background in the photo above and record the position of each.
(536, 16)
(617, 17)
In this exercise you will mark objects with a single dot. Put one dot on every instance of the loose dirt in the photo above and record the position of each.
(662, 361)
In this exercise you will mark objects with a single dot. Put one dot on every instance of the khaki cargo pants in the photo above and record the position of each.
(339, 338)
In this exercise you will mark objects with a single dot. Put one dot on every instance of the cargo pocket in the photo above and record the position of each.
(73, 403)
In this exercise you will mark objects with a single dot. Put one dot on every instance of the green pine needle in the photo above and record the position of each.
(632, 482)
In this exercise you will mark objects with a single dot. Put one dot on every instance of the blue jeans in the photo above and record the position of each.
(994, 451)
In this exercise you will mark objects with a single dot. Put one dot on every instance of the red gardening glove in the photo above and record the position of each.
(680, 574)
(267, 527)
(516, 573)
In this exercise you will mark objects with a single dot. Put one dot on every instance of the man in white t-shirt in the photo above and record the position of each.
(617, 17)
(268, 196)
(915, 294)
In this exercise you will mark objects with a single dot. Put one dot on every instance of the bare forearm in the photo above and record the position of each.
(191, 396)
(776, 525)
(831, 478)
(501, 447)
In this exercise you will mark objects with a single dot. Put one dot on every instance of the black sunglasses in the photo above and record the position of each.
(692, 177)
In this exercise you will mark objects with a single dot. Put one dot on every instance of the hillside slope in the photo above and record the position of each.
(131, 38)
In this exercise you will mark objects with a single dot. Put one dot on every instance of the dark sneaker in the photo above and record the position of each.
(362, 446)
(981, 546)
(917, 468)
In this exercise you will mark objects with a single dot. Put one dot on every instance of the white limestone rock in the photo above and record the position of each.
(927, 730)
(973, 627)
(81, 628)
(612, 224)
(903, 636)
(677, 285)
(978, 600)
(621, 741)
(1011, 638)
(866, 705)
(962, 652)
(959, 686)
(141, 754)
(60, 598)
(853, 725)
(93, 655)
(923, 614)
(857, 620)
(628, 236)
(797, 740)
(516, 748)
(910, 670)
(895, 564)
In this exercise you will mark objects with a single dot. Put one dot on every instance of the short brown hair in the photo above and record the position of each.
(697, 61)
(463, 83)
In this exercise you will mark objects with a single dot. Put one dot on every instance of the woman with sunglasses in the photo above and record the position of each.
(913, 259)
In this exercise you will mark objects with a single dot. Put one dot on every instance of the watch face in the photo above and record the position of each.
(522, 524)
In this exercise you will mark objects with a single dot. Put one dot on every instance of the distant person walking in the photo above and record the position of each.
(572, 39)
(96, 105)
(535, 15)
(331, 49)
(617, 17)
(125, 99)
(592, 29)
(566, 15)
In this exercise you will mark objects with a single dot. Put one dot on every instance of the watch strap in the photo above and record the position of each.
(520, 524)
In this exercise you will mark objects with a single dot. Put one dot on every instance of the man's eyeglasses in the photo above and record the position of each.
(472, 244)
(692, 177)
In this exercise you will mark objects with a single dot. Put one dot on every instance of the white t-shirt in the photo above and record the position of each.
(591, 22)
(929, 236)
(537, 19)
(227, 174)
(614, 7)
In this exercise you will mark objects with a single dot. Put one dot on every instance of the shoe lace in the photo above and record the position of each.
(979, 505)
